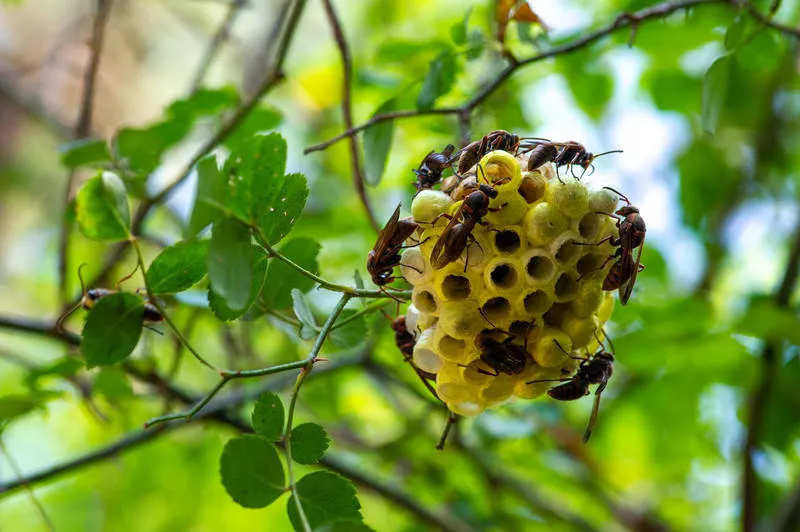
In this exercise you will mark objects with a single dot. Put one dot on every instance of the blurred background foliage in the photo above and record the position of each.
(699, 428)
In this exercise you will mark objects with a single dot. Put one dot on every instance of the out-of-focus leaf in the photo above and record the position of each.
(309, 443)
(325, 497)
(230, 263)
(268, 416)
(344, 525)
(113, 384)
(458, 31)
(84, 152)
(261, 119)
(736, 31)
(715, 90)
(303, 312)
(438, 81)
(674, 90)
(142, 148)
(351, 333)
(203, 102)
(66, 366)
(706, 181)
(17, 405)
(477, 42)
(764, 319)
(178, 267)
(277, 293)
(210, 195)
(502, 15)
(102, 208)
(377, 141)
(219, 305)
(251, 471)
(762, 54)
(112, 329)
(591, 87)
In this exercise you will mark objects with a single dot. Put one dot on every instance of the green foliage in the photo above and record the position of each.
(350, 331)
(302, 309)
(102, 208)
(83, 152)
(715, 90)
(210, 189)
(178, 267)
(377, 141)
(251, 471)
(219, 305)
(326, 498)
(18, 405)
(439, 79)
(268, 417)
(303, 251)
(113, 384)
(112, 329)
(309, 443)
(230, 263)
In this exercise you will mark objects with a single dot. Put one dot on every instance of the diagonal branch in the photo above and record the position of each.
(215, 45)
(347, 109)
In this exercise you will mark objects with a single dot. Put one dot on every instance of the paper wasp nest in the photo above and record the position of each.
(523, 272)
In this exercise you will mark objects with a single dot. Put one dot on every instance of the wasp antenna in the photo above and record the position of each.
(65, 315)
(127, 276)
(495, 327)
(620, 194)
(606, 153)
(80, 278)
(481, 171)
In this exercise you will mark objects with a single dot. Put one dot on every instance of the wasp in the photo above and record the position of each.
(91, 297)
(430, 171)
(386, 254)
(632, 230)
(405, 343)
(596, 369)
(473, 152)
(569, 153)
(503, 357)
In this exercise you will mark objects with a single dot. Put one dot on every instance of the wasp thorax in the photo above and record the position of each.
(508, 277)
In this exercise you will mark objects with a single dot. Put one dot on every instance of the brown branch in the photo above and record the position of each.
(760, 398)
(82, 129)
(767, 19)
(347, 110)
(215, 45)
(623, 21)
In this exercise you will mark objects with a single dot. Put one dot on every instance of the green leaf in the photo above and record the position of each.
(17, 405)
(218, 304)
(715, 90)
(309, 443)
(113, 384)
(764, 319)
(377, 141)
(259, 120)
(178, 267)
(230, 263)
(736, 32)
(438, 81)
(458, 31)
(351, 333)
(303, 312)
(344, 525)
(66, 366)
(325, 497)
(112, 329)
(83, 152)
(142, 148)
(277, 293)
(209, 197)
(268, 416)
(203, 102)
(251, 471)
(102, 208)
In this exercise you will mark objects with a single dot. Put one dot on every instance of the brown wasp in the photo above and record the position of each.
(503, 357)
(91, 297)
(596, 369)
(456, 234)
(405, 343)
(569, 153)
(430, 171)
(386, 254)
(472, 153)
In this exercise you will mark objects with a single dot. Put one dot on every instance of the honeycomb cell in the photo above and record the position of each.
(502, 275)
(508, 240)
(499, 389)
(532, 187)
(509, 209)
(466, 408)
(570, 197)
(544, 223)
(428, 204)
(414, 267)
(502, 170)
(412, 320)
(567, 250)
(553, 348)
(566, 288)
(589, 226)
(603, 200)
(497, 310)
(590, 297)
(452, 349)
(425, 300)
(536, 302)
(425, 355)
(539, 266)
(456, 287)
(461, 320)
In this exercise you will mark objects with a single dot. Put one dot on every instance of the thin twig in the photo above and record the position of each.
(31, 495)
(215, 45)
(760, 398)
(347, 111)
(82, 129)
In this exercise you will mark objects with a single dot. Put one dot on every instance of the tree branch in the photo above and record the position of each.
(760, 398)
(215, 45)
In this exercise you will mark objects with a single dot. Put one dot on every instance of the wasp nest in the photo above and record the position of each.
(527, 285)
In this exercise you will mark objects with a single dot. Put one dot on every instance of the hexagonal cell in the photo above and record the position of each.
(501, 275)
(507, 240)
(413, 266)
(425, 300)
(536, 303)
(590, 225)
(425, 356)
(452, 349)
(567, 250)
(592, 262)
(532, 187)
(500, 165)
(466, 408)
(566, 288)
(461, 319)
(499, 389)
(539, 267)
(456, 287)
(555, 316)
(497, 310)
(511, 209)
(475, 374)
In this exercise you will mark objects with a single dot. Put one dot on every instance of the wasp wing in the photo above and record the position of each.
(386, 234)
(595, 410)
(626, 287)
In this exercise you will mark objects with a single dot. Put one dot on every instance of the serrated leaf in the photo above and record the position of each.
(303, 312)
(113, 384)
(112, 329)
(277, 293)
(325, 497)
(715, 90)
(438, 81)
(377, 141)
(178, 267)
(102, 208)
(209, 197)
(351, 333)
(230, 263)
(251, 471)
(734, 35)
(268, 416)
(309, 443)
(83, 152)
(344, 525)
(218, 304)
